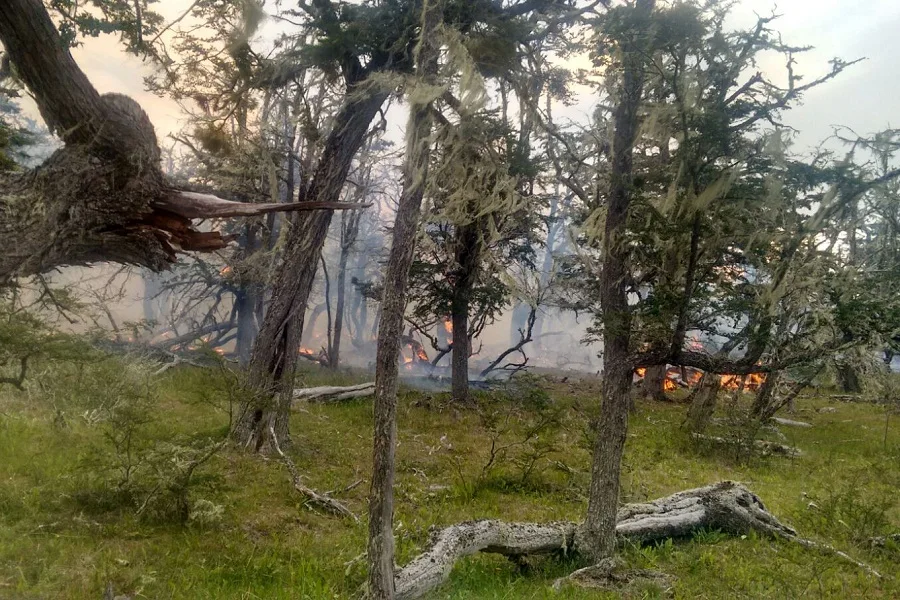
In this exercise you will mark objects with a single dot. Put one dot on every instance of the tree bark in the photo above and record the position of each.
(597, 537)
(467, 256)
(274, 355)
(393, 306)
(654, 382)
(703, 404)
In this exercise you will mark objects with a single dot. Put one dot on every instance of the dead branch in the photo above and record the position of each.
(312, 497)
(789, 422)
(525, 337)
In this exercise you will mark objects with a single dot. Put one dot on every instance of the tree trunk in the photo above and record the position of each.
(393, 306)
(467, 255)
(597, 537)
(703, 404)
(849, 379)
(274, 355)
(245, 306)
(654, 385)
(334, 356)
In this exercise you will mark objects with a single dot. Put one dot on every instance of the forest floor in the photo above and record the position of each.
(69, 498)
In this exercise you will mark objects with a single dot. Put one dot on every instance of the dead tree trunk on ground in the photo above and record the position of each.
(598, 533)
(393, 306)
(725, 506)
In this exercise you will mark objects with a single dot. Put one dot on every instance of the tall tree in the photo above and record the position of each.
(393, 304)
(598, 535)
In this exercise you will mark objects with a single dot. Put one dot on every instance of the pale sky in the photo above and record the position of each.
(866, 98)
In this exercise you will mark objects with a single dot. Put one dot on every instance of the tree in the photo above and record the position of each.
(102, 196)
(598, 535)
(393, 305)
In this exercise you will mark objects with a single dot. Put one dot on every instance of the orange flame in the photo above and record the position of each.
(306, 351)
(225, 270)
(751, 382)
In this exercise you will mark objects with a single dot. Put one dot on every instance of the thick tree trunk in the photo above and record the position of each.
(703, 405)
(597, 537)
(726, 506)
(654, 384)
(275, 352)
(393, 306)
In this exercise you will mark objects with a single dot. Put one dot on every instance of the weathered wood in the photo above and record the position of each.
(789, 422)
(313, 497)
(726, 506)
(335, 393)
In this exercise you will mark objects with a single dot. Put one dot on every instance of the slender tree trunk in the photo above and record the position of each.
(393, 307)
(334, 356)
(598, 535)
(275, 352)
(703, 404)
(467, 255)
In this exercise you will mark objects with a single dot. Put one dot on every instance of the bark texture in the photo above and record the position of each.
(393, 306)
(654, 382)
(703, 403)
(335, 393)
(727, 506)
(465, 274)
(597, 535)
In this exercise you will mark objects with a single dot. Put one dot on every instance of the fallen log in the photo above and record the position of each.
(765, 447)
(335, 393)
(790, 422)
(726, 506)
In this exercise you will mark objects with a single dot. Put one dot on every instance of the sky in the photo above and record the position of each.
(866, 98)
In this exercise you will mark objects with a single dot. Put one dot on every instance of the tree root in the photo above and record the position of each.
(726, 506)
(324, 501)
(609, 574)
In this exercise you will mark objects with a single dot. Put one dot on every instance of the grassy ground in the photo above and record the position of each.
(68, 525)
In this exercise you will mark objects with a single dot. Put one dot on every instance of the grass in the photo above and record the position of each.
(65, 533)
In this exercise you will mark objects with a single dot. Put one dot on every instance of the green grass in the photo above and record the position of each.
(65, 534)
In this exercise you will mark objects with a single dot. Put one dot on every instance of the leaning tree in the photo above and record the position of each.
(102, 196)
